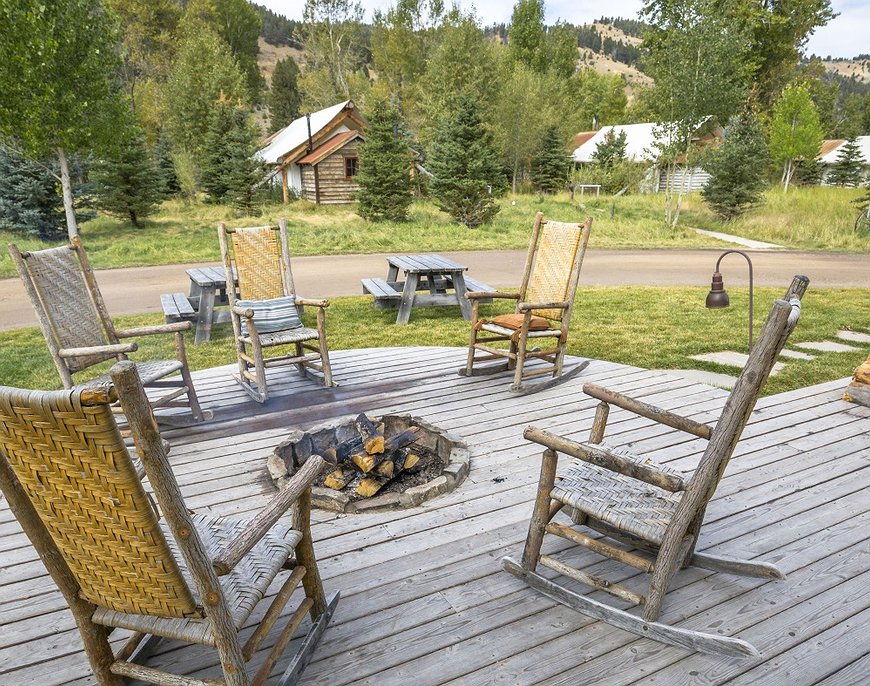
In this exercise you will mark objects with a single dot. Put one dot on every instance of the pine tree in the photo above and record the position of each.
(848, 168)
(550, 165)
(29, 199)
(164, 166)
(384, 163)
(126, 183)
(611, 149)
(231, 172)
(465, 166)
(284, 97)
(737, 168)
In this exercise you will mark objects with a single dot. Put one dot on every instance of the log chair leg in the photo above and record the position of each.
(512, 359)
(324, 348)
(469, 363)
(305, 554)
(520, 363)
(541, 514)
(192, 398)
(299, 353)
(666, 564)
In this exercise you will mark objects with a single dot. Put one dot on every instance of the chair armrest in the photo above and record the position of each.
(649, 411)
(113, 349)
(649, 473)
(479, 295)
(242, 311)
(523, 307)
(154, 329)
(266, 518)
(312, 303)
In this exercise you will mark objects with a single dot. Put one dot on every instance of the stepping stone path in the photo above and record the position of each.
(854, 336)
(796, 355)
(729, 358)
(827, 347)
(700, 376)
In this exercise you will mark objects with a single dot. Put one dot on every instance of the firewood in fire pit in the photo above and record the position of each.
(337, 480)
(372, 435)
(386, 468)
(345, 451)
(371, 485)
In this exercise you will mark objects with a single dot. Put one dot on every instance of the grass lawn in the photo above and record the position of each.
(647, 327)
(807, 218)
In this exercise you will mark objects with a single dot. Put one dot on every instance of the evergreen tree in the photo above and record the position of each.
(231, 172)
(465, 166)
(384, 163)
(284, 97)
(126, 183)
(165, 167)
(29, 201)
(737, 168)
(611, 149)
(550, 165)
(848, 168)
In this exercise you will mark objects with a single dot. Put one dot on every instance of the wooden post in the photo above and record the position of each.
(285, 186)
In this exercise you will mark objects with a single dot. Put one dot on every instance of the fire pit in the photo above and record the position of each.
(389, 462)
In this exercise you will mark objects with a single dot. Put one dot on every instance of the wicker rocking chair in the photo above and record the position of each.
(543, 312)
(646, 506)
(261, 258)
(73, 487)
(79, 332)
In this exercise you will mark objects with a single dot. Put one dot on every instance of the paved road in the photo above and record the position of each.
(138, 289)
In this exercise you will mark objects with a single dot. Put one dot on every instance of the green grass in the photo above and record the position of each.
(807, 218)
(654, 328)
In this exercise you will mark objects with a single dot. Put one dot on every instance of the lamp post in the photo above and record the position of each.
(718, 297)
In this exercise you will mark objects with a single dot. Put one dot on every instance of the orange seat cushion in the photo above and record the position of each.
(515, 322)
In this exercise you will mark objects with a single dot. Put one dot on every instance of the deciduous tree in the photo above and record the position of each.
(59, 68)
(795, 131)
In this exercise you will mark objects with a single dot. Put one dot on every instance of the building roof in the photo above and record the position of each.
(829, 153)
(330, 146)
(582, 137)
(640, 142)
(295, 134)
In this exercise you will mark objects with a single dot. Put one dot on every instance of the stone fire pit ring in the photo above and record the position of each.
(292, 453)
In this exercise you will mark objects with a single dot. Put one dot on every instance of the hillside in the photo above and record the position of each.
(859, 68)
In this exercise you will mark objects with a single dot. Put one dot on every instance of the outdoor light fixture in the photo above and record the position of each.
(718, 298)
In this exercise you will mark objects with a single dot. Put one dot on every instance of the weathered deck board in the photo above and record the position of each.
(423, 599)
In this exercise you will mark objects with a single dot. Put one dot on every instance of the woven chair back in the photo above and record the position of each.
(67, 303)
(71, 462)
(259, 262)
(557, 257)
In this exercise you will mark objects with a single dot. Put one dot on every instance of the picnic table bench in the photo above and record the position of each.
(430, 280)
(208, 289)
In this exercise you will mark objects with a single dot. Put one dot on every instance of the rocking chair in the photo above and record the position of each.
(543, 312)
(264, 310)
(640, 504)
(195, 578)
(79, 332)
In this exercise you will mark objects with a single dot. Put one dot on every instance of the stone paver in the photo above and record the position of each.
(729, 358)
(854, 336)
(827, 346)
(796, 355)
(699, 376)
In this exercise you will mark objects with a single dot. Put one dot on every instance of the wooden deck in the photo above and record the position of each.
(424, 601)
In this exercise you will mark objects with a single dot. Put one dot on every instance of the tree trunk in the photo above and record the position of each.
(789, 169)
(72, 226)
(514, 182)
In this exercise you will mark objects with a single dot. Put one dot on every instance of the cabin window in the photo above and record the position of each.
(351, 167)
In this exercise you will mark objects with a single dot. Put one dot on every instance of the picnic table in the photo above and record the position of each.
(208, 289)
(430, 280)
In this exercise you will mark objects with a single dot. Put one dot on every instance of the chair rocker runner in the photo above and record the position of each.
(642, 505)
(543, 311)
(263, 308)
(73, 487)
(79, 332)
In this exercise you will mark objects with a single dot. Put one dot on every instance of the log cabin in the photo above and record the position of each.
(316, 156)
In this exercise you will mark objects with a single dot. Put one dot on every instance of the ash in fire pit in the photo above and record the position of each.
(388, 462)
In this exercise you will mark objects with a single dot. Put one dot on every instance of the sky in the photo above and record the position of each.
(847, 35)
